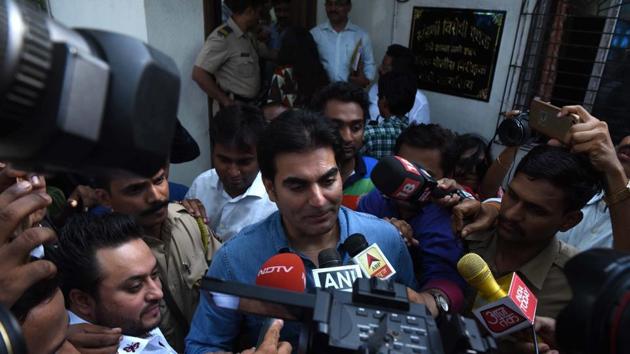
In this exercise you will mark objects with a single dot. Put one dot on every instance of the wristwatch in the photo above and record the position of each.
(618, 196)
(441, 301)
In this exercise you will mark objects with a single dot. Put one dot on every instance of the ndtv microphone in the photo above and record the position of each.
(332, 274)
(503, 312)
(283, 271)
(369, 258)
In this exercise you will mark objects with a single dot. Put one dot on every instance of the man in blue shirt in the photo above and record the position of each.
(340, 42)
(297, 155)
(437, 250)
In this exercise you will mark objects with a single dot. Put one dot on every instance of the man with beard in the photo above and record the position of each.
(297, 154)
(181, 245)
(339, 42)
(110, 278)
(346, 104)
(546, 195)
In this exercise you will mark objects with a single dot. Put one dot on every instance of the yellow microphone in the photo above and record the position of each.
(477, 273)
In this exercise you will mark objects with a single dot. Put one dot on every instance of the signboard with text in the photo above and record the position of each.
(456, 49)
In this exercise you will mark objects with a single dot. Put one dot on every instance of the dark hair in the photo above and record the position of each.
(79, 240)
(342, 91)
(295, 131)
(428, 136)
(572, 173)
(402, 58)
(239, 126)
(399, 89)
(479, 161)
(299, 50)
(239, 6)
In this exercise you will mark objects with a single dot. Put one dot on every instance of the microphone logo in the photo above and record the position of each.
(406, 189)
(501, 318)
(275, 269)
(374, 262)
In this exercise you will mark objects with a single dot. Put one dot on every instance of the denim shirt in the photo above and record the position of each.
(215, 329)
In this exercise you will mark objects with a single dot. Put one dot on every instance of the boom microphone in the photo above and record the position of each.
(369, 258)
(502, 312)
(403, 180)
(283, 271)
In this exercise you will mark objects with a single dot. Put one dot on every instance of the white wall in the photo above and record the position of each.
(175, 28)
(389, 22)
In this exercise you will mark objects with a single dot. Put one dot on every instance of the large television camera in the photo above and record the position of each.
(376, 317)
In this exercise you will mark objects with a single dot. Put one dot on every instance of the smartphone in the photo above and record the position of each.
(543, 117)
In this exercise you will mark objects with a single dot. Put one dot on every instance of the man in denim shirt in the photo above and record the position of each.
(297, 155)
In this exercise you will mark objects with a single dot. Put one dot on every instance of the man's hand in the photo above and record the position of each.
(93, 339)
(447, 185)
(16, 273)
(591, 136)
(359, 77)
(195, 208)
(546, 330)
(271, 344)
(405, 230)
(482, 216)
(423, 298)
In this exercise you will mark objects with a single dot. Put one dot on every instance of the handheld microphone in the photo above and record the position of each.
(332, 274)
(369, 258)
(283, 271)
(403, 180)
(501, 311)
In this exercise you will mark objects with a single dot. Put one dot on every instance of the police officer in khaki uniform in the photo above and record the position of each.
(227, 67)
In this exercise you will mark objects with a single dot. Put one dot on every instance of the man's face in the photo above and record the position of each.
(623, 153)
(532, 211)
(130, 291)
(144, 198)
(429, 159)
(348, 116)
(307, 189)
(253, 16)
(237, 168)
(386, 65)
(282, 10)
(46, 325)
(338, 10)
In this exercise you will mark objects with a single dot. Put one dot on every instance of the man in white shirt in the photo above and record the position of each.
(399, 58)
(340, 42)
(232, 193)
(110, 278)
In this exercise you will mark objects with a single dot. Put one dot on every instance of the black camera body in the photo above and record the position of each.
(515, 131)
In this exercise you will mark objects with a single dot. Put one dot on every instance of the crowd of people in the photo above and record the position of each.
(123, 255)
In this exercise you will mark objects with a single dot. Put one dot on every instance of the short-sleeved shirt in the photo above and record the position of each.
(182, 262)
(380, 140)
(359, 182)
(419, 114)
(240, 258)
(231, 56)
(543, 274)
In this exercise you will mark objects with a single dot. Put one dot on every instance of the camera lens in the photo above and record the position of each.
(515, 131)
(11, 340)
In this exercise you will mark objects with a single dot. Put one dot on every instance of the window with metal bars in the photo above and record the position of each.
(576, 52)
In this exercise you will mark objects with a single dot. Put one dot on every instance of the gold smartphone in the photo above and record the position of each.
(543, 117)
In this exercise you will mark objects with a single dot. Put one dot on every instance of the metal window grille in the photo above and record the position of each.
(574, 52)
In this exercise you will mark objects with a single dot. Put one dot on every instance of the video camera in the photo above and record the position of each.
(375, 318)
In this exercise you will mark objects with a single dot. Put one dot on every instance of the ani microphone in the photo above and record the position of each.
(332, 274)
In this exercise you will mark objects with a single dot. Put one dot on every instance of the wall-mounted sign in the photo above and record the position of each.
(456, 49)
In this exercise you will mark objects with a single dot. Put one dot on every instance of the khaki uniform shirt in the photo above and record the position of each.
(182, 262)
(232, 57)
(543, 274)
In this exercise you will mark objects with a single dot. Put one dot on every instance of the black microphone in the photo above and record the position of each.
(369, 258)
(332, 274)
(403, 180)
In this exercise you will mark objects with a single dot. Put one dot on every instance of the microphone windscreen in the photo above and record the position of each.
(283, 271)
(355, 244)
(329, 257)
(397, 178)
(477, 273)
